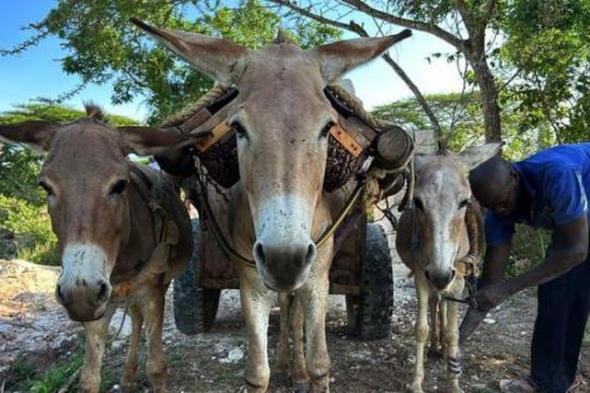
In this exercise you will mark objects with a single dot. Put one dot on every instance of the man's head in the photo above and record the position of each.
(495, 185)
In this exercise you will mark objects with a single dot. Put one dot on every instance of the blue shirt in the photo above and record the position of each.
(557, 181)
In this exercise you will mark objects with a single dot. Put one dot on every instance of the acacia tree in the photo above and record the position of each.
(103, 46)
(430, 16)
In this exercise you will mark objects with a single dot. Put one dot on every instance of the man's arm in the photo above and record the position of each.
(570, 249)
(494, 263)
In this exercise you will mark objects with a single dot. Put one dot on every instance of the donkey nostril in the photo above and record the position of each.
(453, 274)
(60, 295)
(311, 251)
(103, 292)
(259, 252)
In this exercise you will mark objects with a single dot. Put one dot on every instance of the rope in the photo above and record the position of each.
(356, 106)
(204, 101)
(235, 256)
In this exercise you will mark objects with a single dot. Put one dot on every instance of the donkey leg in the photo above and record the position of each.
(281, 371)
(434, 350)
(300, 377)
(153, 313)
(443, 317)
(421, 331)
(256, 304)
(452, 345)
(96, 337)
(314, 298)
(128, 381)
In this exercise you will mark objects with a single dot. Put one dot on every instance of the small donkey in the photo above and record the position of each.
(122, 231)
(438, 238)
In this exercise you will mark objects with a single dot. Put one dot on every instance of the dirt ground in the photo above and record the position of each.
(34, 331)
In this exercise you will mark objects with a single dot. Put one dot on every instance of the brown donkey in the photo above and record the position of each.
(438, 238)
(278, 209)
(122, 232)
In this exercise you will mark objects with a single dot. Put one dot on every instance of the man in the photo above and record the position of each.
(547, 190)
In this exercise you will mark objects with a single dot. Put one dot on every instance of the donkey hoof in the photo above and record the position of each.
(415, 388)
(301, 387)
(455, 388)
(435, 354)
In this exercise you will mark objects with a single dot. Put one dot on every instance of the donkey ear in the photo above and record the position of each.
(339, 57)
(148, 141)
(36, 134)
(473, 156)
(221, 59)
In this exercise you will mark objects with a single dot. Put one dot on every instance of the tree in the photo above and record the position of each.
(548, 46)
(103, 45)
(471, 19)
(463, 124)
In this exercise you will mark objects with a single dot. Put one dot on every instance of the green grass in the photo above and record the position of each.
(23, 376)
(21, 373)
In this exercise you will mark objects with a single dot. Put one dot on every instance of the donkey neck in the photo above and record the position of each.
(136, 250)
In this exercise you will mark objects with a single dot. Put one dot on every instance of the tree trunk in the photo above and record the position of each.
(419, 97)
(489, 95)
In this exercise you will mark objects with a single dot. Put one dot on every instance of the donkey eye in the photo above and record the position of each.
(47, 188)
(463, 203)
(326, 130)
(118, 187)
(239, 129)
(418, 203)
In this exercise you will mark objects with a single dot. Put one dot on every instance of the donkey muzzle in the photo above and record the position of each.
(284, 267)
(440, 279)
(83, 287)
(84, 301)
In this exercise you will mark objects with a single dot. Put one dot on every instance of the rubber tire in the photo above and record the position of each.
(373, 308)
(195, 308)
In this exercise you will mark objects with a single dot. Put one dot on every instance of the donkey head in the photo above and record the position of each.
(441, 197)
(86, 176)
(282, 120)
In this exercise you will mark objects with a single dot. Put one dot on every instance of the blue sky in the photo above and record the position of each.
(37, 72)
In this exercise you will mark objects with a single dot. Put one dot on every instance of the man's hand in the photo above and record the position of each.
(489, 297)
(482, 302)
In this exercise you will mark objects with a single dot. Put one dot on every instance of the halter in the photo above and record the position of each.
(167, 236)
(235, 256)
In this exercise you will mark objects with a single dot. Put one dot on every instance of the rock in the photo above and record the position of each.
(234, 356)
(489, 321)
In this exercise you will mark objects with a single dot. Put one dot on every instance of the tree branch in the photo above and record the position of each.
(489, 10)
(358, 29)
(433, 29)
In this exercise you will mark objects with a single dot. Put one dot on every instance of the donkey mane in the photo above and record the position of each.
(95, 112)
(282, 38)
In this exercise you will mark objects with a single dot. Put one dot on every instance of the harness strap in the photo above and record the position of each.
(167, 235)
(236, 257)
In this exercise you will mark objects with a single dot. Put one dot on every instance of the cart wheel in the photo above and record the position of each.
(195, 308)
(369, 313)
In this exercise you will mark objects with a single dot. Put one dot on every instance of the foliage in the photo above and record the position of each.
(31, 227)
(58, 376)
(528, 249)
(462, 123)
(104, 46)
(548, 45)
(22, 204)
